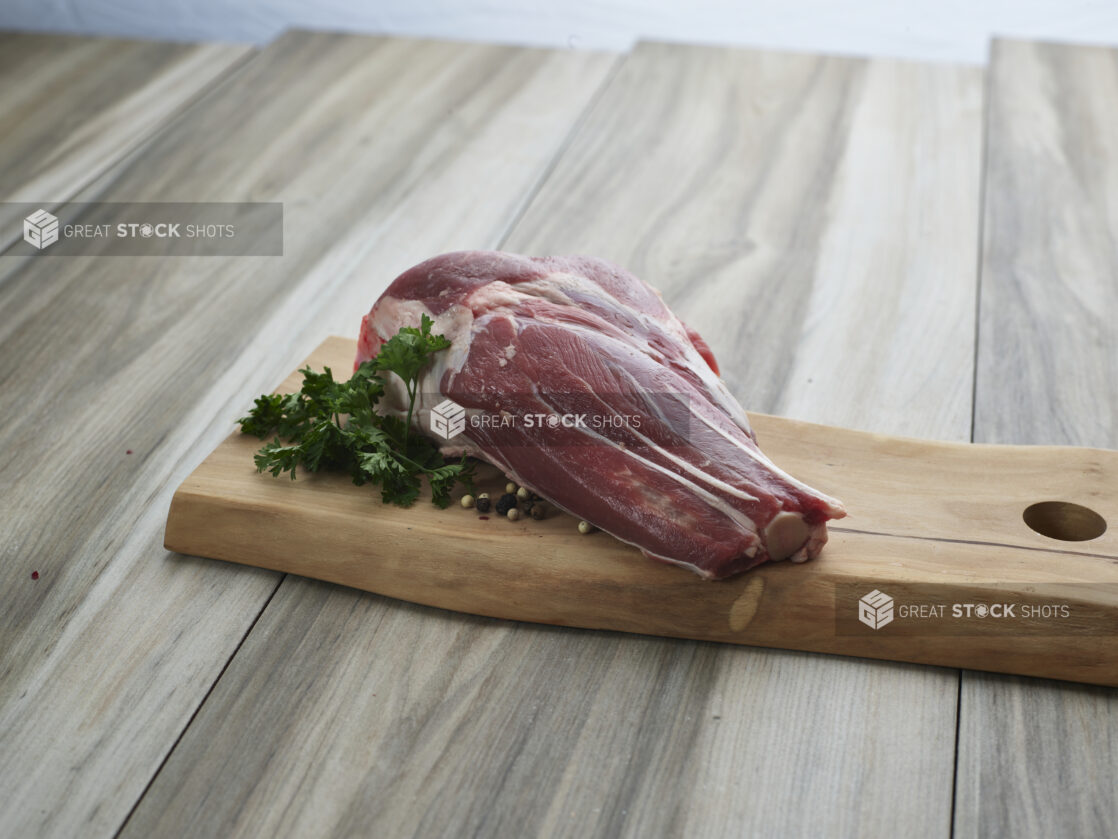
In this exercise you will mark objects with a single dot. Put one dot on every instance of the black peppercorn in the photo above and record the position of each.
(505, 503)
(482, 503)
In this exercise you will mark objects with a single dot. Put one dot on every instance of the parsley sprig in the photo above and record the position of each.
(332, 425)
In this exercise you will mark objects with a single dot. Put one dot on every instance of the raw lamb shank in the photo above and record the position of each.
(580, 384)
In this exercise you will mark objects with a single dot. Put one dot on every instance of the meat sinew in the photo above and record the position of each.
(580, 384)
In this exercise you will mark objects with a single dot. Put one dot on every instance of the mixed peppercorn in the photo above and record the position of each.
(515, 502)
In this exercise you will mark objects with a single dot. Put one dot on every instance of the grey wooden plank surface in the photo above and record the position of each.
(71, 106)
(1040, 758)
(379, 150)
(794, 209)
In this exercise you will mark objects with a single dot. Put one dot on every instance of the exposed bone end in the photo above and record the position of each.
(813, 545)
(786, 535)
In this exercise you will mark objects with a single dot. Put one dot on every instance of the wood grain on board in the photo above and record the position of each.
(130, 369)
(71, 107)
(1038, 758)
(816, 219)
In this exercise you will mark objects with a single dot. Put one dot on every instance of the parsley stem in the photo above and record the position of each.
(411, 387)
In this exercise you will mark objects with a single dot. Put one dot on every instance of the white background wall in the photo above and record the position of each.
(922, 29)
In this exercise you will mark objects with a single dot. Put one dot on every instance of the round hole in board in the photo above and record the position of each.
(1064, 520)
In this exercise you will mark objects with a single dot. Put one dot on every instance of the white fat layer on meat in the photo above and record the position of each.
(495, 295)
(553, 287)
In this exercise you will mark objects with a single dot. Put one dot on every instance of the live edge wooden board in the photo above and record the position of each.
(937, 527)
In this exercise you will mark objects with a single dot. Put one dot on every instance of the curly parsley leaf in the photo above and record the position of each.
(334, 425)
(407, 353)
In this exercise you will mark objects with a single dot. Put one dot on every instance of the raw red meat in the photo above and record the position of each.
(567, 336)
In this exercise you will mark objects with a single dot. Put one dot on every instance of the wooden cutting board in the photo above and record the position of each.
(935, 554)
